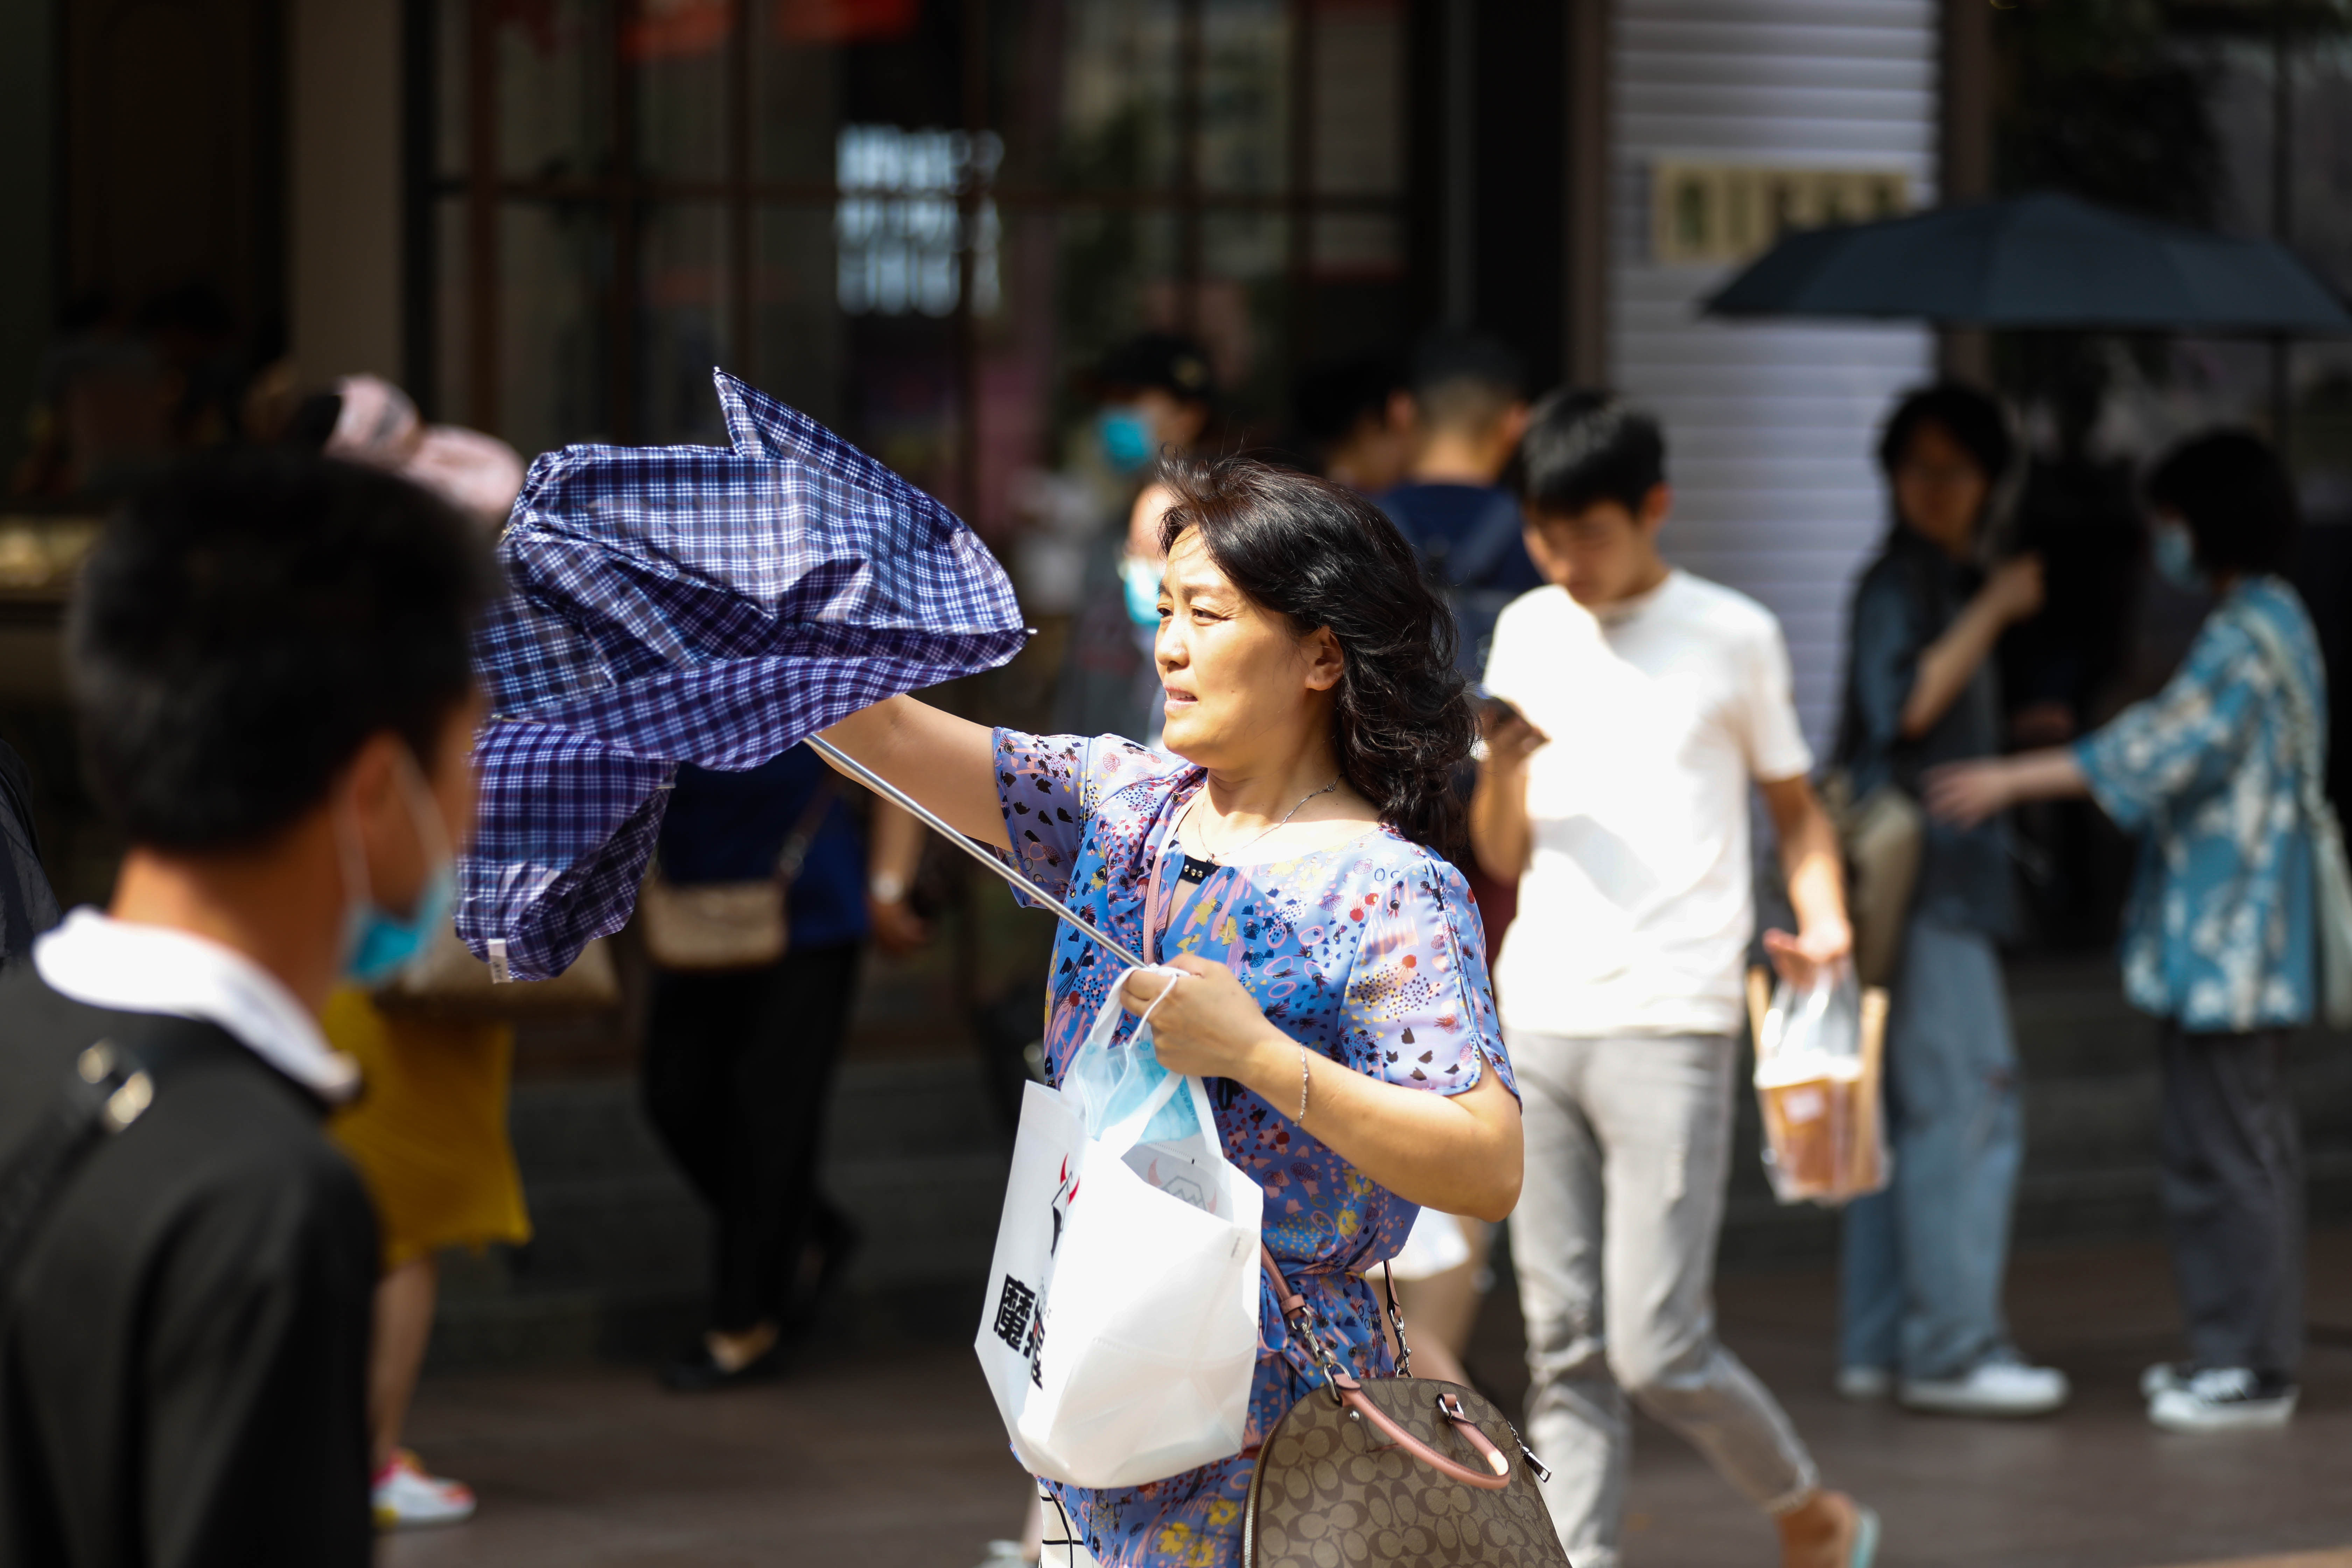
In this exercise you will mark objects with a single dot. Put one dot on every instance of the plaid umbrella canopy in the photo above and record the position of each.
(692, 604)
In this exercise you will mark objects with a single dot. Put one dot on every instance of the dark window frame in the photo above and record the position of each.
(626, 194)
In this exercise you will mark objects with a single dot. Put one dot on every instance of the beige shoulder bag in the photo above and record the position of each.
(707, 928)
(2332, 905)
(1881, 835)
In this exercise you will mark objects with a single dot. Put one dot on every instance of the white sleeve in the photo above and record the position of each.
(1776, 742)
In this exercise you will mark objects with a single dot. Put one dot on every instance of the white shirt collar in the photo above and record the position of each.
(1618, 613)
(101, 961)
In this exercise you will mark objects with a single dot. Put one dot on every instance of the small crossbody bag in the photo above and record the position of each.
(1403, 1471)
(713, 927)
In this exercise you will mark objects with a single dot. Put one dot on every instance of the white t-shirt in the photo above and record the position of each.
(1636, 908)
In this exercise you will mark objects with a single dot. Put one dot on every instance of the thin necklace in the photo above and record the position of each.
(1218, 856)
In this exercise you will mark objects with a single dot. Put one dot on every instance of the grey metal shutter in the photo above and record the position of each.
(1769, 427)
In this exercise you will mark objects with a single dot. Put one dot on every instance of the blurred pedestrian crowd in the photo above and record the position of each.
(269, 659)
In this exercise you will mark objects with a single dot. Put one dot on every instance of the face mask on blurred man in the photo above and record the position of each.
(378, 943)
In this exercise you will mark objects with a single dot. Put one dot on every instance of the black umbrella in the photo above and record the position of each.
(2048, 261)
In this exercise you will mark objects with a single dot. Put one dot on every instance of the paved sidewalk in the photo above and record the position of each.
(896, 1463)
(896, 1460)
(2095, 1487)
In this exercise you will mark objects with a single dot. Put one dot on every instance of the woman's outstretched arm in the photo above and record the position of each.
(1457, 1152)
(946, 762)
(1967, 793)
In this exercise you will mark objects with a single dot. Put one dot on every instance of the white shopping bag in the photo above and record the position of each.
(1119, 1333)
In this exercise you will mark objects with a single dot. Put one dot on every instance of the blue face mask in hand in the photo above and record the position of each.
(376, 943)
(2176, 557)
(1126, 439)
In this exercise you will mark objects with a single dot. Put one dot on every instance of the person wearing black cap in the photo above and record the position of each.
(1157, 399)
(1157, 393)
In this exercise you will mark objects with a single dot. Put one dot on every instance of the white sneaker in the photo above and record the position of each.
(1864, 1384)
(2166, 1374)
(408, 1498)
(2222, 1399)
(2000, 1386)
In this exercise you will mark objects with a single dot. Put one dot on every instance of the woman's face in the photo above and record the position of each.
(1241, 686)
(1939, 490)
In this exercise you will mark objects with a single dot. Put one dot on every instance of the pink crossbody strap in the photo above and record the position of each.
(1296, 1312)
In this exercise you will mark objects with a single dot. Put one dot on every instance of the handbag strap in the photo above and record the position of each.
(1300, 1317)
(107, 1090)
(1396, 1319)
(805, 827)
(2301, 711)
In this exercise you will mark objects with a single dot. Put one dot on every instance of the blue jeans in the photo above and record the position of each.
(1924, 1260)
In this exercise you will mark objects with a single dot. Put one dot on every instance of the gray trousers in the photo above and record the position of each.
(1628, 1153)
(2232, 1162)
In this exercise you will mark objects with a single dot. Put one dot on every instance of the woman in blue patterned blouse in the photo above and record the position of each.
(1293, 859)
(2219, 941)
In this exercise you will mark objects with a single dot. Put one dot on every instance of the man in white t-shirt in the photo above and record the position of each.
(1646, 703)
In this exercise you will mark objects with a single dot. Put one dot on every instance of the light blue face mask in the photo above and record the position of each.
(2176, 558)
(376, 943)
(1126, 439)
(1141, 579)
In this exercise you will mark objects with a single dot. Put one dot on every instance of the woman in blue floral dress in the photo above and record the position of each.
(1291, 859)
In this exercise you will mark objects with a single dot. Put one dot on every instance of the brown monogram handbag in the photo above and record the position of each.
(1401, 1472)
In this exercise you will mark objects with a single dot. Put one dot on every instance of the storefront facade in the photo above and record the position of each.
(922, 219)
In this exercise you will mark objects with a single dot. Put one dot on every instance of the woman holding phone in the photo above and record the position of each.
(1291, 858)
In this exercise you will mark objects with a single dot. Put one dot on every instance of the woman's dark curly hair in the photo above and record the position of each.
(1323, 556)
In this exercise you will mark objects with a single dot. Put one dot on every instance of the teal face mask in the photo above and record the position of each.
(1125, 438)
(376, 943)
(2176, 558)
(1141, 581)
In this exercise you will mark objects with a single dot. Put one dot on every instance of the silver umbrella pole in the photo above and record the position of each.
(924, 814)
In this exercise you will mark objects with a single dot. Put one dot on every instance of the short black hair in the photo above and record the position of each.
(1465, 380)
(244, 625)
(1333, 398)
(2236, 496)
(1968, 416)
(1584, 447)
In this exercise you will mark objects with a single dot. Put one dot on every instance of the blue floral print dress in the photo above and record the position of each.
(1369, 954)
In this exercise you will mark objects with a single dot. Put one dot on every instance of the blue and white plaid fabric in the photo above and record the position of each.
(693, 605)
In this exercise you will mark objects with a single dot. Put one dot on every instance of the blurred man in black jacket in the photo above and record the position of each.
(27, 907)
(269, 659)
